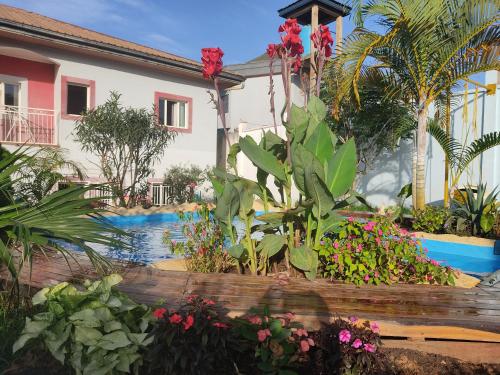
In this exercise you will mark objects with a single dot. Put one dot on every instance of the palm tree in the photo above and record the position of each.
(428, 47)
(57, 222)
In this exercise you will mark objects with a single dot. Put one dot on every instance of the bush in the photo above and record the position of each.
(379, 251)
(191, 340)
(203, 249)
(431, 219)
(183, 181)
(278, 344)
(95, 331)
(350, 347)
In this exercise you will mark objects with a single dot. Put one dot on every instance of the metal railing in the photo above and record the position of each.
(28, 125)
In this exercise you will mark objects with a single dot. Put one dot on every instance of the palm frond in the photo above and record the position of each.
(450, 145)
(477, 147)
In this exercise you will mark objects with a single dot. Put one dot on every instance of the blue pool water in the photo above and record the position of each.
(147, 232)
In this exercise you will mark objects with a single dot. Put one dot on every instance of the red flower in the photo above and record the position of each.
(322, 40)
(208, 302)
(297, 64)
(212, 62)
(291, 37)
(189, 322)
(175, 319)
(272, 50)
(158, 313)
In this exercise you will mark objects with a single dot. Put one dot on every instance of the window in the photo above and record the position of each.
(77, 95)
(172, 113)
(77, 101)
(9, 94)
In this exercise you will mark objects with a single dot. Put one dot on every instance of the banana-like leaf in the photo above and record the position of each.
(320, 143)
(317, 110)
(228, 204)
(236, 251)
(270, 245)
(302, 161)
(341, 170)
(262, 159)
(298, 123)
(232, 156)
(305, 259)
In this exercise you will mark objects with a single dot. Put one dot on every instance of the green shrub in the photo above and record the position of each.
(431, 219)
(278, 344)
(183, 180)
(95, 331)
(203, 249)
(379, 252)
(351, 347)
(191, 340)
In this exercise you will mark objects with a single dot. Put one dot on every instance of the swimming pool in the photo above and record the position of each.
(147, 232)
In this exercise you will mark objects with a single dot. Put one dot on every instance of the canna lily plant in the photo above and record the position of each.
(308, 159)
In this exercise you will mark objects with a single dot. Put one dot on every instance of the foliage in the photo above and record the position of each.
(351, 347)
(58, 219)
(460, 156)
(280, 344)
(96, 331)
(377, 252)
(43, 171)
(378, 126)
(183, 180)
(475, 211)
(430, 219)
(322, 171)
(426, 47)
(127, 142)
(191, 340)
(203, 249)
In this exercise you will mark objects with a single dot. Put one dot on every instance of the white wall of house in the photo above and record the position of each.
(137, 86)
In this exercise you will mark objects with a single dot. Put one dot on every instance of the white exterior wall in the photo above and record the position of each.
(137, 85)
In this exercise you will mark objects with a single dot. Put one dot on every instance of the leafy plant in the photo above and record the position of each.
(379, 251)
(476, 211)
(191, 340)
(183, 181)
(430, 219)
(95, 331)
(351, 347)
(203, 249)
(127, 141)
(58, 219)
(279, 344)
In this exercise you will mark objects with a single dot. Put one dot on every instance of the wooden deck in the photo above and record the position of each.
(420, 313)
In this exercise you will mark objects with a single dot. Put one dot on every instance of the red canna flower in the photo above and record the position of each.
(212, 62)
(291, 37)
(189, 322)
(323, 40)
(158, 313)
(297, 64)
(175, 319)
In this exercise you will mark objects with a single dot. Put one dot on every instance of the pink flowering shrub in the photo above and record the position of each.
(277, 344)
(379, 251)
(193, 339)
(351, 347)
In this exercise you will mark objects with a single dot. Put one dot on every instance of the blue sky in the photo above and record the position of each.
(242, 28)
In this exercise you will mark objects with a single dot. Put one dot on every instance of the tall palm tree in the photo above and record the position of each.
(427, 47)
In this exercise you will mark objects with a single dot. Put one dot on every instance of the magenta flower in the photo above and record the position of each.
(370, 348)
(357, 344)
(353, 319)
(350, 219)
(369, 226)
(336, 258)
(344, 336)
(336, 245)
(434, 262)
(262, 334)
(304, 346)
(375, 327)
(360, 247)
(380, 232)
(367, 278)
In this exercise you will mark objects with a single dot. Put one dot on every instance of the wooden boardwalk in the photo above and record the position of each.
(421, 313)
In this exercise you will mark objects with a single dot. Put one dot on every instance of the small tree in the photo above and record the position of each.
(183, 180)
(127, 141)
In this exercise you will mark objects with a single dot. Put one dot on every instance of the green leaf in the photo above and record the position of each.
(303, 162)
(317, 110)
(298, 123)
(303, 258)
(320, 143)
(87, 336)
(113, 340)
(271, 244)
(236, 251)
(227, 204)
(262, 159)
(232, 156)
(317, 190)
(342, 169)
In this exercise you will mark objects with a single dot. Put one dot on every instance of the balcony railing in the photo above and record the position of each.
(27, 125)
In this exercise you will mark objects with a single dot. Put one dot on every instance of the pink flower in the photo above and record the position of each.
(344, 336)
(380, 232)
(353, 319)
(254, 319)
(377, 240)
(175, 319)
(369, 348)
(336, 245)
(189, 322)
(290, 316)
(357, 344)
(350, 219)
(262, 334)
(360, 247)
(349, 245)
(376, 274)
(220, 325)
(367, 278)
(369, 226)
(301, 332)
(304, 346)
(158, 313)
(336, 257)
(374, 327)
(208, 302)
(434, 262)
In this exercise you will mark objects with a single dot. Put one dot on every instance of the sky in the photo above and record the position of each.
(242, 28)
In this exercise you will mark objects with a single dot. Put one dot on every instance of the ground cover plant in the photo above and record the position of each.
(379, 251)
(94, 331)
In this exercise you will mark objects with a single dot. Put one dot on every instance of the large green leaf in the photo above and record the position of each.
(271, 244)
(302, 161)
(236, 251)
(341, 170)
(233, 155)
(298, 123)
(262, 159)
(320, 143)
(303, 258)
(227, 204)
(317, 110)
(317, 190)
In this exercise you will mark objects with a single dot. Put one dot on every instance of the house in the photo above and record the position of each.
(51, 70)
